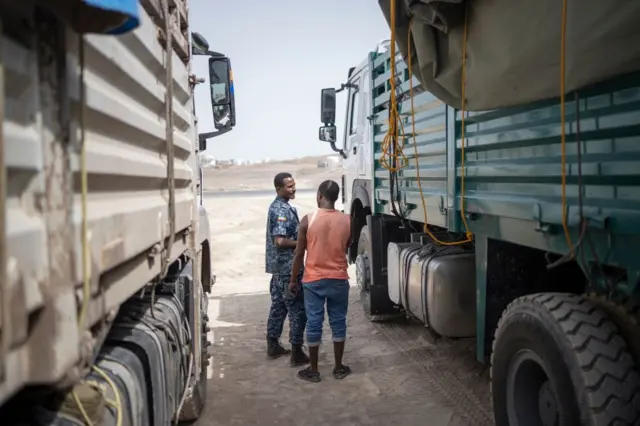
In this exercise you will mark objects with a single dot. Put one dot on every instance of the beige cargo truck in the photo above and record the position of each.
(105, 251)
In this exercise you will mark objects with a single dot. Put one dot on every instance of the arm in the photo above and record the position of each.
(279, 231)
(298, 257)
(284, 243)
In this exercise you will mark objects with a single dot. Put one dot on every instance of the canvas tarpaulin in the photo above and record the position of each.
(513, 47)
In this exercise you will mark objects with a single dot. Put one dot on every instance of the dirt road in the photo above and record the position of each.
(399, 377)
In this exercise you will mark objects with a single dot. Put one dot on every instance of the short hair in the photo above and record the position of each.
(329, 190)
(278, 181)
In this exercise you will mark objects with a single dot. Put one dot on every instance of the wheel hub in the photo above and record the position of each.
(362, 272)
(530, 396)
(547, 405)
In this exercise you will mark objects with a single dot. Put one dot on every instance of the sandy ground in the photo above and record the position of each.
(398, 376)
(260, 176)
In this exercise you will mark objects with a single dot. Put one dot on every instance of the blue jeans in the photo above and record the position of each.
(336, 295)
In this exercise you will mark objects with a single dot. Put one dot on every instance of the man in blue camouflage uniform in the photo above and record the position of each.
(281, 239)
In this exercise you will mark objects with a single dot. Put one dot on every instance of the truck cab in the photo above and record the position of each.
(355, 146)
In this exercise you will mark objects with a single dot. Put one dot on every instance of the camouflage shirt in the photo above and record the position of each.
(282, 220)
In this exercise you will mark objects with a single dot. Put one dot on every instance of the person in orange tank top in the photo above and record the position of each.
(324, 235)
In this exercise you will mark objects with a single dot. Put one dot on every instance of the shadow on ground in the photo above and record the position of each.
(398, 376)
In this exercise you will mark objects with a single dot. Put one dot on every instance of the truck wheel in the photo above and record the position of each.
(363, 274)
(626, 316)
(195, 403)
(363, 260)
(558, 360)
(363, 271)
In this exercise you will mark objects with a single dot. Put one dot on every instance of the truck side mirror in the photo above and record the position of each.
(222, 92)
(328, 107)
(199, 44)
(327, 134)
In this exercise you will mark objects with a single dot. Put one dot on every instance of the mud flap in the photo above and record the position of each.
(380, 304)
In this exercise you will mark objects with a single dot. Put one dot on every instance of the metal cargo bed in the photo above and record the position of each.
(122, 122)
(513, 165)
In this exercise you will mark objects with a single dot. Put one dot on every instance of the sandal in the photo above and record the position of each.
(308, 375)
(341, 372)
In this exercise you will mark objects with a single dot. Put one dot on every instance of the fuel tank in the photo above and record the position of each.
(435, 285)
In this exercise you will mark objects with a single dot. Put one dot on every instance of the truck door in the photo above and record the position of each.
(364, 128)
(354, 135)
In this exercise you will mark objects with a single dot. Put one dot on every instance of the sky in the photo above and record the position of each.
(283, 52)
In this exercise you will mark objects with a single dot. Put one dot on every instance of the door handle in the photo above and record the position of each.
(355, 149)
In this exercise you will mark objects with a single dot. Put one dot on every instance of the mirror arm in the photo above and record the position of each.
(209, 135)
(213, 54)
(338, 150)
(344, 86)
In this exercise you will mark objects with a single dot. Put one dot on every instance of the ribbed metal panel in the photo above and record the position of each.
(513, 161)
(124, 129)
(430, 142)
(513, 158)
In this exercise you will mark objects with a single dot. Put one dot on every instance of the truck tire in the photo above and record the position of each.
(363, 270)
(626, 316)
(363, 274)
(200, 391)
(195, 403)
(363, 260)
(558, 360)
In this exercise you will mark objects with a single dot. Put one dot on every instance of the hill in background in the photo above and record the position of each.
(308, 172)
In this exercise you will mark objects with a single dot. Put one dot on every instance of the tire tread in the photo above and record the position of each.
(606, 368)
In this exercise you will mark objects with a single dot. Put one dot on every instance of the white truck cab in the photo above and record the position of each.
(356, 145)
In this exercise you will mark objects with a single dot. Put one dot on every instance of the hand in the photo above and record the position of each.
(294, 287)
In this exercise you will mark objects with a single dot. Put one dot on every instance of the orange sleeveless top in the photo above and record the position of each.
(328, 234)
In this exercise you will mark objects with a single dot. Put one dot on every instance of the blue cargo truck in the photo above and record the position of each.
(467, 224)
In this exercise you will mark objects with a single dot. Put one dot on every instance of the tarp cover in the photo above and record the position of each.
(513, 47)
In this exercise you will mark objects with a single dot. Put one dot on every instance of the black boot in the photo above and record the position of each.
(275, 349)
(298, 357)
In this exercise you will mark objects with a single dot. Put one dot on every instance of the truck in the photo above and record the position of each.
(105, 248)
(513, 225)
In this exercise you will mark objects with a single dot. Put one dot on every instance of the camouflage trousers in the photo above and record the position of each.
(283, 303)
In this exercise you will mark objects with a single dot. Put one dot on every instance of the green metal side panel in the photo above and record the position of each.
(513, 171)
(513, 163)
(513, 166)
(430, 143)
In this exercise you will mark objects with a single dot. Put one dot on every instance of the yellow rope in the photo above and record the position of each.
(393, 158)
(468, 234)
(116, 392)
(85, 416)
